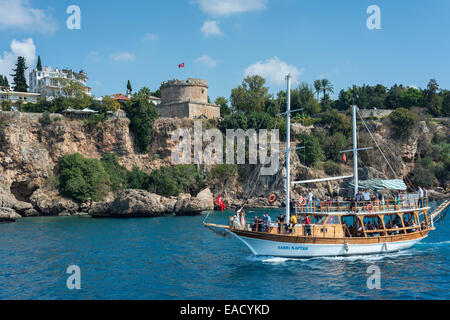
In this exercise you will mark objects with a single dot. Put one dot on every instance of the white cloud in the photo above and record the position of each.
(274, 71)
(227, 7)
(123, 56)
(211, 28)
(8, 59)
(150, 37)
(206, 60)
(413, 86)
(19, 14)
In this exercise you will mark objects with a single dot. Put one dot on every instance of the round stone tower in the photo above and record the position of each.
(186, 99)
(191, 90)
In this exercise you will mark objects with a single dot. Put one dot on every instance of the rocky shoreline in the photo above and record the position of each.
(128, 204)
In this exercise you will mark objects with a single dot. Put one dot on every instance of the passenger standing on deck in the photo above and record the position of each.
(420, 197)
(309, 199)
(293, 223)
(307, 223)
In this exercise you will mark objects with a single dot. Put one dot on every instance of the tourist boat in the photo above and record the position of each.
(338, 228)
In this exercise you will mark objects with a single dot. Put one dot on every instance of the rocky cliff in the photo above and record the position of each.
(30, 151)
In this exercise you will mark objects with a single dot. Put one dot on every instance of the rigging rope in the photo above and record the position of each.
(376, 143)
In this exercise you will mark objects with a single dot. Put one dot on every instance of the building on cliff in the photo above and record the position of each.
(186, 99)
(51, 83)
(7, 95)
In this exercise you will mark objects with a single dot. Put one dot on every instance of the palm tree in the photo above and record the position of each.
(326, 86)
(318, 87)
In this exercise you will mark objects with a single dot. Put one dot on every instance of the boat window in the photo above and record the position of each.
(316, 219)
(333, 220)
(409, 221)
(391, 220)
(348, 225)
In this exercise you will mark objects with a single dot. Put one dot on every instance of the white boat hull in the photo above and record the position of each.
(261, 247)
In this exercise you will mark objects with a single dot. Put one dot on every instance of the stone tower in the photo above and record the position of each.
(186, 99)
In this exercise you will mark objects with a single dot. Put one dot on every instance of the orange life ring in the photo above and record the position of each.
(370, 207)
(272, 198)
(302, 201)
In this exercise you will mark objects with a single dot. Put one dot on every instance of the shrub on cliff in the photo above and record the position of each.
(142, 114)
(221, 172)
(83, 179)
(118, 175)
(404, 121)
(332, 168)
(45, 119)
(170, 181)
(312, 152)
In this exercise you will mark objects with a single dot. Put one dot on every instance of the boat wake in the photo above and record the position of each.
(434, 243)
(281, 260)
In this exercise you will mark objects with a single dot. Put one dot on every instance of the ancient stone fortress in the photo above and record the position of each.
(186, 99)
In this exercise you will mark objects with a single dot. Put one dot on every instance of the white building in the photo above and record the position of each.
(48, 81)
(7, 95)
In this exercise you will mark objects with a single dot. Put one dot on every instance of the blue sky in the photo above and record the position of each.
(221, 41)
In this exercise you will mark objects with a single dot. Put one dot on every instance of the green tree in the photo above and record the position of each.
(143, 93)
(326, 87)
(251, 95)
(404, 121)
(142, 114)
(117, 173)
(39, 64)
(83, 179)
(260, 120)
(446, 104)
(337, 122)
(433, 101)
(222, 102)
(138, 179)
(20, 82)
(317, 87)
(129, 88)
(4, 81)
(303, 98)
(312, 153)
(236, 120)
(334, 145)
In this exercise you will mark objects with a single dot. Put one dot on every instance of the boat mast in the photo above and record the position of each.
(355, 151)
(288, 148)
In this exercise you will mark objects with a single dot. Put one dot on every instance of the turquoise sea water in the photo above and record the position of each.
(178, 258)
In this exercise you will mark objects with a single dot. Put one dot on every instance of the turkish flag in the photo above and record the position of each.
(219, 201)
(181, 66)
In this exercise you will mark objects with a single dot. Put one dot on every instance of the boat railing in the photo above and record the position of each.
(324, 230)
(373, 206)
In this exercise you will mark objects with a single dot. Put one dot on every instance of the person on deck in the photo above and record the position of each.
(268, 222)
(420, 202)
(293, 223)
(307, 223)
(280, 220)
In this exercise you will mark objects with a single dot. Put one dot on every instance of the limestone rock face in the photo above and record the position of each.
(7, 200)
(187, 205)
(8, 215)
(49, 203)
(138, 203)
(30, 213)
(21, 206)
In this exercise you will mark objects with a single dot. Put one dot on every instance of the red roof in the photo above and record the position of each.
(120, 96)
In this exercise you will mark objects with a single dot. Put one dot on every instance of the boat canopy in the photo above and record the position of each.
(380, 184)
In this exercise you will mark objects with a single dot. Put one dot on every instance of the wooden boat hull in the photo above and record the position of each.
(304, 247)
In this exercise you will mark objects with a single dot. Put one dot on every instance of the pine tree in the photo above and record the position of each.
(4, 81)
(39, 64)
(20, 82)
(129, 88)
